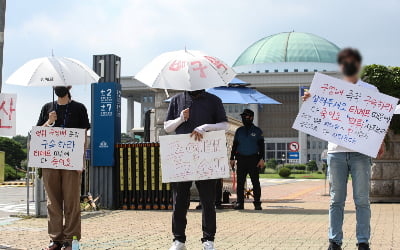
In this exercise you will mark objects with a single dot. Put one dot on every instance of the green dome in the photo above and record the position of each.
(289, 47)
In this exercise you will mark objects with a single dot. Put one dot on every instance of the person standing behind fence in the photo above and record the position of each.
(342, 162)
(63, 186)
(194, 112)
(248, 150)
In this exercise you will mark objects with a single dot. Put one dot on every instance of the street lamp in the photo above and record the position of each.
(283, 160)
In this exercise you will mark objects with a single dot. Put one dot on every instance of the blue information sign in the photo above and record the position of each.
(294, 155)
(106, 122)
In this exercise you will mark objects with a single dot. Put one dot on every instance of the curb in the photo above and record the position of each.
(16, 184)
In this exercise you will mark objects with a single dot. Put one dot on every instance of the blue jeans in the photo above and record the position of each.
(339, 167)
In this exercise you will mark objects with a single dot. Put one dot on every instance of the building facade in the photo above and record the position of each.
(278, 66)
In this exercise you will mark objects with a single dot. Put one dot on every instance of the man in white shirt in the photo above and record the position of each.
(342, 162)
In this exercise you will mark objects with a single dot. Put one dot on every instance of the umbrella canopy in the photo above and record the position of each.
(241, 95)
(397, 111)
(53, 71)
(185, 70)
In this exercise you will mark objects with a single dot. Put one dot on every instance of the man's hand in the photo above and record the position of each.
(306, 96)
(185, 114)
(232, 163)
(52, 117)
(381, 151)
(261, 164)
(197, 136)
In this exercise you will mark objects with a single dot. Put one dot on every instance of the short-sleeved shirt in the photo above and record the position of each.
(72, 115)
(248, 140)
(334, 148)
(205, 109)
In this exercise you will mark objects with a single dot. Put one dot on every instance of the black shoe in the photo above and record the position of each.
(199, 207)
(363, 246)
(219, 206)
(334, 246)
(238, 206)
(257, 207)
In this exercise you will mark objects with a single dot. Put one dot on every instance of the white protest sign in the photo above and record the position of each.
(8, 103)
(56, 147)
(346, 114)
(184, 159)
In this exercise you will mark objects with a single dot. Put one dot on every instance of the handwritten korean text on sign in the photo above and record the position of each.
(184, 159)
(351, 116)
(58, 148)
(8, 103)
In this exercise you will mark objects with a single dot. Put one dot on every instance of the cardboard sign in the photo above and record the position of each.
(56, 147)
(8, 104)
(184, 159)
(346, 114)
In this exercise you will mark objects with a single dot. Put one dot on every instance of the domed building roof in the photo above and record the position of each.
(289, 47)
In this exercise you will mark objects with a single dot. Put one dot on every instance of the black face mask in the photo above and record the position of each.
(349, 68)
(247, 121)
(196, 93)
(61, 91)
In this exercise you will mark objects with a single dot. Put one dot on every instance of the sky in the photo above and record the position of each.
(139, 30)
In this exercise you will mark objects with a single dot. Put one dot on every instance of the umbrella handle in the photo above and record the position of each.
(53, 106)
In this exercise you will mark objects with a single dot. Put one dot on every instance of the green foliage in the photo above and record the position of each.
(271, 163)
(296, 166)
(13, 150)
(312, 166)
(387, 80)
(23, 140)
(10, 174)
(269, 171)
(284, 172)
(126, 138)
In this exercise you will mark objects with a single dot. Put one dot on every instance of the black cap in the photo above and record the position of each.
(248, 112)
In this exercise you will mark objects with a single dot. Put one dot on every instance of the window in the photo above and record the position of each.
(150, 99)
(314, 157)
(281, 155)
(271, 146)
(305, 70)
(257, 71)
(271, 155)
(144, 99)
(308, 157)
(236, 108)
(314, 145)
(315, 70)
(266, 71)
(281, 146)
(230, 109)
(320, 145)
(296, 70)
(285, 70)
(308, 145)
(275, 70)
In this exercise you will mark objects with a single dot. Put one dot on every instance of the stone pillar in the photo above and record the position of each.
(130, 118)
(254, 107)
(161, 108)
(385, 175)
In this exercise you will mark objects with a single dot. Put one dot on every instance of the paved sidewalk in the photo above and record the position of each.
(294, 217)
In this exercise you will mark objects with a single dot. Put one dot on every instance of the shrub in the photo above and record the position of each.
(284, 172)
(296, 166)
(10, 173)
(271, 163)
(269, 171)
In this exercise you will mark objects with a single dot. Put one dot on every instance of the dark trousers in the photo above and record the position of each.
(181, 198)
(248, 165)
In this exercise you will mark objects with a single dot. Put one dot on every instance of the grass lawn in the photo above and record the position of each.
(294, 176)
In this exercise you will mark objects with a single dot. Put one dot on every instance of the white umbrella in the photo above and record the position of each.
(186, 70)
(397, 110)
(53, 71)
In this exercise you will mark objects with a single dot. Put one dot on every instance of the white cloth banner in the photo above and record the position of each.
(58, 148)
(184, 159)
(8, 122)
(351, 116)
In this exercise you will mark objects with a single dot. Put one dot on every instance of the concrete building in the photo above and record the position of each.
(278, 66)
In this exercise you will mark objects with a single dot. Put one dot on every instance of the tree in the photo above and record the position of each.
(23, 140)
(13, 150)
(312, 166)
(387, 80)
(2, 24)
(271, 163)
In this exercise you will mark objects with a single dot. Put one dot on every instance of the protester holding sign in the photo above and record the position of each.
(342, 162)
(248, 150)
(194, 112)
(63, 186)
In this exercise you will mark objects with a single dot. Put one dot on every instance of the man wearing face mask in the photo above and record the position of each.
(248, 150)
(342, 162)
(63, 186)
(194, 112)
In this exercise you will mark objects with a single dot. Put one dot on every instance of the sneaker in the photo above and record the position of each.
(238, 206)
(257, 206)
(363, 246)
(334, 246)
(177, 245)
(208, 245)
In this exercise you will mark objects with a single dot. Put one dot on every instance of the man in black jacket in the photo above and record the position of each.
(248, 150)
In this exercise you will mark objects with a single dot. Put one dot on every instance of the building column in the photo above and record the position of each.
(254, 107)
(130, 118)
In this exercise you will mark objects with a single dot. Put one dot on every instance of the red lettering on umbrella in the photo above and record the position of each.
(200, 67)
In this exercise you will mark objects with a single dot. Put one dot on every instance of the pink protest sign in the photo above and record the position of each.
(8, 103)
(184, 159)
(351, 116)
(58, 148)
